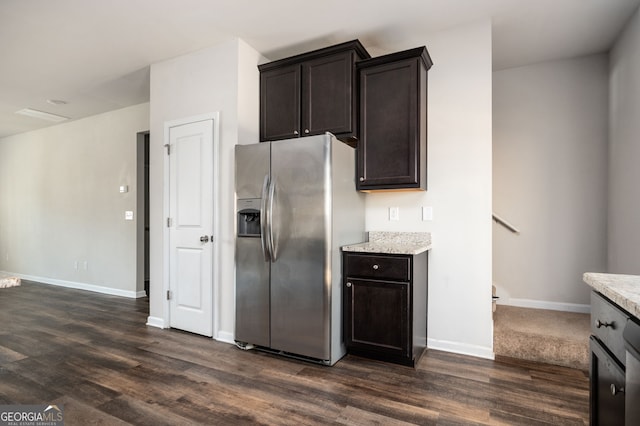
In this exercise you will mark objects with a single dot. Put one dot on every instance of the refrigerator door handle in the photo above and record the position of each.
(272, 244)
(264, 219)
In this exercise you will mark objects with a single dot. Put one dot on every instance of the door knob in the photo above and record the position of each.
(204, 239)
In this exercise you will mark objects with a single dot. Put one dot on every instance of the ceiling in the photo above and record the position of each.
(95, 54)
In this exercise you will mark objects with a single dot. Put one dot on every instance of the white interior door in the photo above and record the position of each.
(191, 227)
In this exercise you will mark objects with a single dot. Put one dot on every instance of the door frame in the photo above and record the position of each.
(215, 116)
(142, 208)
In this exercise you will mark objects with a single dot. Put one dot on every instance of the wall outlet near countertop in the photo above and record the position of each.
(394, 213)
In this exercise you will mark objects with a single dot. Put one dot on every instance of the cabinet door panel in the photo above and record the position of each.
(607, 378)
(389, 125)
(280, 103)
(377, 317)
(327, 94)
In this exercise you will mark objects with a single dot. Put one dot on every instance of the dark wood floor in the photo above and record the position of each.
(93, 354)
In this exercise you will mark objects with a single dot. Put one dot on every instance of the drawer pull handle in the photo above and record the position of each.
(600, 324)
(616, 390)
(376, 267)
(348, 284)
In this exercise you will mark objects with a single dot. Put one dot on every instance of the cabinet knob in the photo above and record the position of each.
(361, 179)
(349, 285)
(616, 390)
(306, 131)
(376, 267)
(295, 132)
(600, 324)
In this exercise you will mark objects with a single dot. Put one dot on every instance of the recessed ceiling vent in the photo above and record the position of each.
(56, 102)
(41, 115)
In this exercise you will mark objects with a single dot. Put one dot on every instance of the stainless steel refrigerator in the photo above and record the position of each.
(296, 204)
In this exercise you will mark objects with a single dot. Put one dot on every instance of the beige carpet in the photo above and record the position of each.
(553, 337)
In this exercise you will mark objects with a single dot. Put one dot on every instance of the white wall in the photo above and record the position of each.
(550, 180)
(459, 190)
(222, 79)
(60, 204)
(624, 152)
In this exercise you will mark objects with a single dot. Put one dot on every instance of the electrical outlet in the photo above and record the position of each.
(394, 213)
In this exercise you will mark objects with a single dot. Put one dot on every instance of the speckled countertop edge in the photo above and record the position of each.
(624, 290)
(393, 243)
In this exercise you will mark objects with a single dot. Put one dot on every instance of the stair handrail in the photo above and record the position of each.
(504, 223)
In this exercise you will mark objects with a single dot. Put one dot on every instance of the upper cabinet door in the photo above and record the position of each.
(392, 150)
(324, 99)
(280, 103)
(328, 95)
(389, 132)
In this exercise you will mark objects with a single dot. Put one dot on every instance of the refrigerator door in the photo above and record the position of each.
(301, 272)
(252, 165)
(252, 271)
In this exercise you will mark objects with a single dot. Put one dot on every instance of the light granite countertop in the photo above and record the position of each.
(624, 290)
(393, 243)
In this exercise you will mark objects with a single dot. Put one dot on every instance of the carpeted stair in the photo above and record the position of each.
(552, 337)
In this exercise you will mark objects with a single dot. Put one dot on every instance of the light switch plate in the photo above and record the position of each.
(128, 215)
(427, 213)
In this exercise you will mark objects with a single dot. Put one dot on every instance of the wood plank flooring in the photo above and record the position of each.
(93, 354)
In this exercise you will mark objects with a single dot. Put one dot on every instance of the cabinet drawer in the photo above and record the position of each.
(378, 267)
(607, 324)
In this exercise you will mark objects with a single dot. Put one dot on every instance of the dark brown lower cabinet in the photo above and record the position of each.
(385, 306)
(607, 386)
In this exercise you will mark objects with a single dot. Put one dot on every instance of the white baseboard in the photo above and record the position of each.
(541, 304)
(82, 286)
(155, 322)
(226, 337)
(461, 348)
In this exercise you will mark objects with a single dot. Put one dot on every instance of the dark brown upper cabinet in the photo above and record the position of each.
(311, 93)
(392, 148)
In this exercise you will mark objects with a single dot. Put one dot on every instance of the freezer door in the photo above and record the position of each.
(300, 273)
(252, 271)
(252, 164)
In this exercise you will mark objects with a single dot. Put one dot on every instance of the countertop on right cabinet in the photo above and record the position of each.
(624, 290)
(393, 243)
